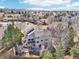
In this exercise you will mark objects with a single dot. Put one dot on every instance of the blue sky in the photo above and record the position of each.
(41, 4)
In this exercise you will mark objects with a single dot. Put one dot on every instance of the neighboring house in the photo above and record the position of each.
(1, 16)
(11, 16)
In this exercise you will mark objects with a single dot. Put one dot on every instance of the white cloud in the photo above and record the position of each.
(50, 9)
(34, 8)
(60, 9)
(75, 4)
(2, 7)
(45, 2)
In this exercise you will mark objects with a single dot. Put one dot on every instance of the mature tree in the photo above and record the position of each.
(48, 55)
(74, 52)
(59, 54)
(68, 39)
(24, 14)
(46, 16)
(71, 35)
(12, 36)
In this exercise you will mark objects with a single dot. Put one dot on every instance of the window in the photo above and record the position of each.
(40, 46)
(32, 39)
(28, 42)
(37, 41)
(30, 31)
(41, 40)
(33, 44)
(28, 39)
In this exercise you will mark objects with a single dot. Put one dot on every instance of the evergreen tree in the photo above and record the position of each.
(59, 54)
(48, 55)
(12, 36)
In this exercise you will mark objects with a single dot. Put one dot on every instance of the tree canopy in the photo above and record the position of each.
(12, 35)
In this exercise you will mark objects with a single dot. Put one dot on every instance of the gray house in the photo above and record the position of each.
(38, 39)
